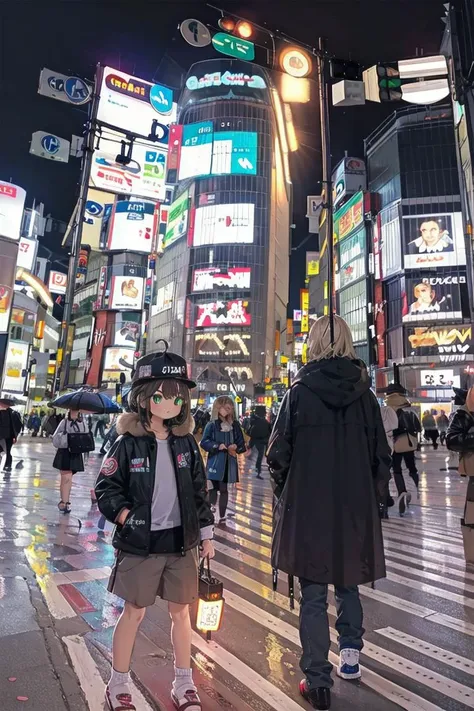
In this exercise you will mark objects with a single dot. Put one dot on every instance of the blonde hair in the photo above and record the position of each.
(319, 340)
(222, 401)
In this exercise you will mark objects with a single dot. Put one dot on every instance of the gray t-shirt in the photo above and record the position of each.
(165, 511)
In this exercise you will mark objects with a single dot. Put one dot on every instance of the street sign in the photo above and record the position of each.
(195, 33)
(47, 145)
(64, 88)
(234, 46)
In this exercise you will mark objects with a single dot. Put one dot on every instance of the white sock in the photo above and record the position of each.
(183, 681)
(119, 682)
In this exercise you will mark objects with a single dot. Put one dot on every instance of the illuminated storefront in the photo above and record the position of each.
(228, 233)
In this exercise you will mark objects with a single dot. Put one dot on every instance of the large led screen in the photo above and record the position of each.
(223, 313)
(434, 241)
(224, 224)
(222, 346)
(223, 279)
(434, 298)
(196, 150)
(177, 220)
(453, 339)
(133, 225)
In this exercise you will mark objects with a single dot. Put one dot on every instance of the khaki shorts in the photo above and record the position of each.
(140, 581)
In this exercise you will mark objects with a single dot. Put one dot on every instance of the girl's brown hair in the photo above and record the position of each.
(222, 401)
(140, 396)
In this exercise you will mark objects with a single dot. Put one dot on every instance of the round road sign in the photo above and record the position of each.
(195, 33)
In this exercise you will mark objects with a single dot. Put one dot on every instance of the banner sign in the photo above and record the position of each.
(435, 378)
(222, 346)
(224, 224)
(12, 202)
(434, 298)
(304, 303)
(224, 279)
(351, 259)
(349, 177)
(177, 220)
(9, 252)
(98, 205)
(224, 313)
(126, 329)
(136, 106)
(164, 298)
(349, 217)
(27, 249)
(439, 340)
(312, 264)
(116, 361)
(434, 241)
(16, 363)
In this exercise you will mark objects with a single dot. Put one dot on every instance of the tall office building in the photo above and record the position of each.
(223, 267)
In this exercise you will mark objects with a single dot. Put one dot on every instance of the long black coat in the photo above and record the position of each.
(330, 464)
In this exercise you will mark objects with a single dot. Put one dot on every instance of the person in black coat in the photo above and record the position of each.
(330, 464)
(10, 427)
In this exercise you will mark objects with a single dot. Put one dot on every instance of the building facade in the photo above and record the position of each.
(223, 266)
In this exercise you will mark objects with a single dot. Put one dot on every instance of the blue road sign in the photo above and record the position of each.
(161, 98)
(77, 91)
(51, 144)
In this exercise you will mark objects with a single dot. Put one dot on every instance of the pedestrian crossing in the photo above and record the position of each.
(419, 641)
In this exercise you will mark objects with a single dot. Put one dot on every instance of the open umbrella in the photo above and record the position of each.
(97, 403)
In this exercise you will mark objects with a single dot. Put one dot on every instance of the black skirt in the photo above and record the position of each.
(67, 462)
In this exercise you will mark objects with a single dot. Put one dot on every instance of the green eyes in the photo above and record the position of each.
(158, 397)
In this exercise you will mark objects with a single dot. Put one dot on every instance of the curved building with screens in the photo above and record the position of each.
(222, 286)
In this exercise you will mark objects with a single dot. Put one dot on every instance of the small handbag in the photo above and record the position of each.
(80, 442)
(405, 442)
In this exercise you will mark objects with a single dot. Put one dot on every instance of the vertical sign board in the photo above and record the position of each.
(304, 302)
(9, 254)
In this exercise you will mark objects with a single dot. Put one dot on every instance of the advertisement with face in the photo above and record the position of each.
(177, 220)
(434, 241)
(144, 175)
(224, 313)
(224, 224)
(12, 202)
(16, 363)
(127, 292)
(133, 226)
(132, 105)
(116, 361)
(434, 298)
(222, 279)
(222, 346)
(454, 340)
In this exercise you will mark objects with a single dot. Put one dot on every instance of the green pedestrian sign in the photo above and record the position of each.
(234, 46)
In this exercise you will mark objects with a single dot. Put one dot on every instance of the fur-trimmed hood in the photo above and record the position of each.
(129, 423)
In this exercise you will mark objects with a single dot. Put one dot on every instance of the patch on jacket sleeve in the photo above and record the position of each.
(109, 466)
(184, 460)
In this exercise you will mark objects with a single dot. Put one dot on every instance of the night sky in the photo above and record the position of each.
(141, 37)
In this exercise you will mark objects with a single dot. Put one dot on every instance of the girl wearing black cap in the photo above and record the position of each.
(152, 484)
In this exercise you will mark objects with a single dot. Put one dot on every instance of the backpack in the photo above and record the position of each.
(406, 439)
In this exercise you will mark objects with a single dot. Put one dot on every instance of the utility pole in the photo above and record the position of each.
(327, 173)
(62, 375)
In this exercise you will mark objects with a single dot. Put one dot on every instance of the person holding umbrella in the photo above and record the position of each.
(10, 428)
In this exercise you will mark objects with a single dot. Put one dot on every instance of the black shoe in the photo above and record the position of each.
(7, 469)
(102, 451)
(259, 476)
(318, 698)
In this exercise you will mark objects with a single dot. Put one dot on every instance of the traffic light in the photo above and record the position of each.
(382, 83)
(239, 28)
(344, 69)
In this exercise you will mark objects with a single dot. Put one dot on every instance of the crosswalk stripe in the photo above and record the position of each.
(445, 580)
(431, 590)
(421, 553)
(430, 650)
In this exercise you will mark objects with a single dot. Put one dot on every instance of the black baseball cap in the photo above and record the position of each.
(162, 365)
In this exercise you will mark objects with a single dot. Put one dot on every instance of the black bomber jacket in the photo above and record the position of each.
(460, 434)
(127, 479)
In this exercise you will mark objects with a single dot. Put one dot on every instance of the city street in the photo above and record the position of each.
(55, 612)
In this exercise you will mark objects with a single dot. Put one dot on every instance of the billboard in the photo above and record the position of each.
(435, 240)
(178, 216)
(349, 217)
(94, 357)
(57, 282)
(143, 176)
(434, 298)
(27, 249)
(133, 225)
(196, 150)
(16, 363)
(349, 177)
(98, 206)
(222, 346)
(126, 329)
(223, 313)
(453, 339)
(434, 378)
(116, 361)
(224, 224)
(133, 105)
(12, 202)
(221, 279)
(211, 80)
(127, 293)
(164, 298)
(235, 153)
(304, 304)
(351, 258)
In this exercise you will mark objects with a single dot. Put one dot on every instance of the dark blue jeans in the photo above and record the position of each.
(314, 629)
